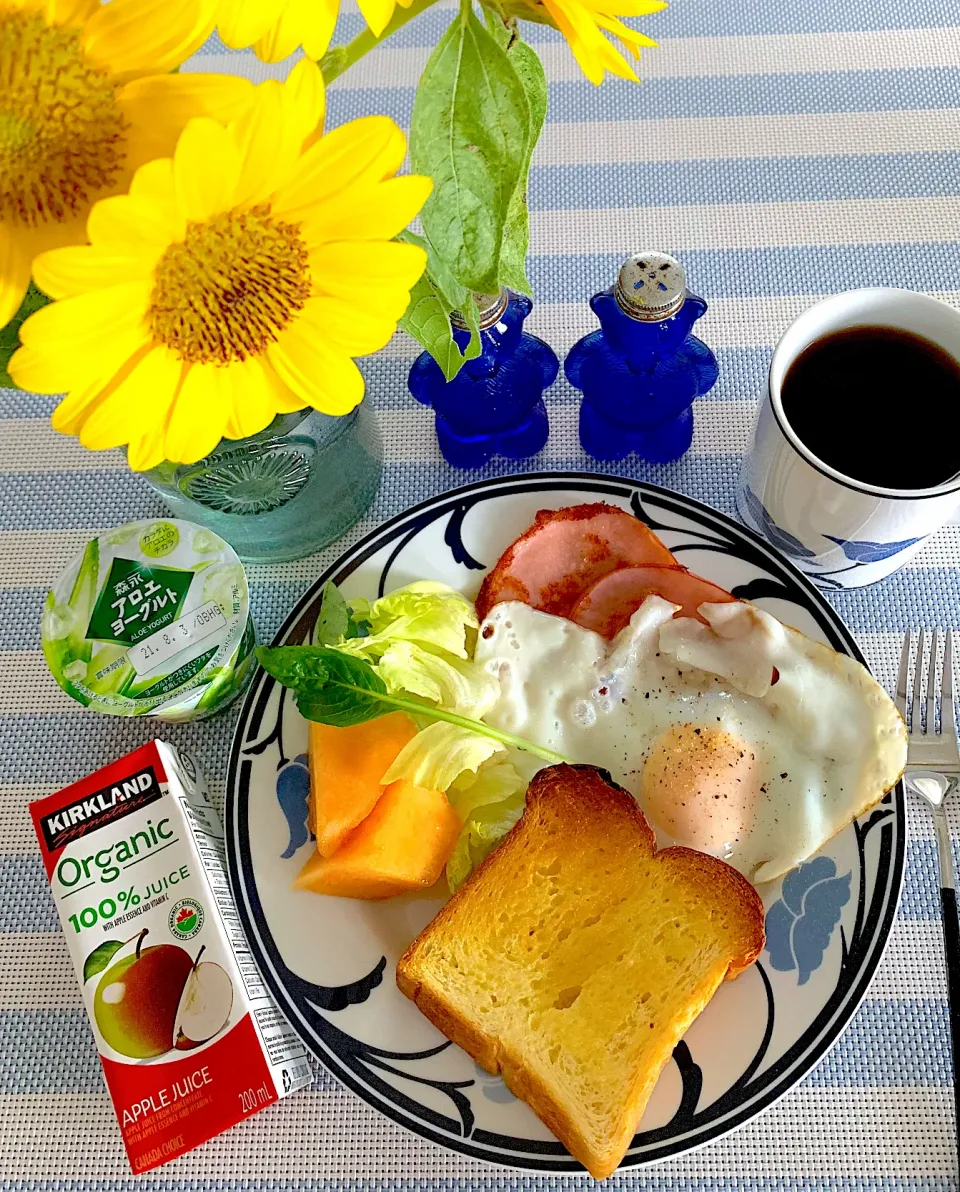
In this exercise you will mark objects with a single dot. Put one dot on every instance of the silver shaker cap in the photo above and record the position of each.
(651, 286)
(490, 308)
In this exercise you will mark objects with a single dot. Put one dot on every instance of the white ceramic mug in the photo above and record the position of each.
(841, 532)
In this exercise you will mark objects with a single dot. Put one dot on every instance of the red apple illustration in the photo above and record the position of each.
(136, 1001)
(205, 1005)
(159, 998)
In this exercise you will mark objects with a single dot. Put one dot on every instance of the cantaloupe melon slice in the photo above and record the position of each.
(346, 765)
(402, 845)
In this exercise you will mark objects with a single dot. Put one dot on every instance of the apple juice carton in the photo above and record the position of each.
(190, 1040)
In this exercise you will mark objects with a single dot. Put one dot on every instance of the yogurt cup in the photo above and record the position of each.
(151, 619)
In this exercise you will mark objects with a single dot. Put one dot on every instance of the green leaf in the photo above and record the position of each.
(10, 335)
(337, 688)
(341, 690)
(427, 612)
(439, 754)
(333, 620)
(100, 957)
(516, 230)
(469, 132)
(427, 318)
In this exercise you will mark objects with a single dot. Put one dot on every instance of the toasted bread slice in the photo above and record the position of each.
(575, 958)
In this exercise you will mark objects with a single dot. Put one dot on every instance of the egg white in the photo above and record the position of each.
(822, 743)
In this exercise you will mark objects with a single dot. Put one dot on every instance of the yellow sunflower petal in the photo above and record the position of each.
(133, 223)
(625, 8)
(593, 52)
(368, 213)
(268, 145)
(364, 269)
(320, 18)
(365, 150)
(14, 273)
(56, 363)
(242, 22)
(300, 22)
(147, 450)
(305, 100)
(70, 12)
(377, 14)
(135, 404)
(158, 108)
(138, 37)
(66, 272)
(252, 405)
(69, 416)
(289, 403)
(206, 167)
(354, 330)
(87, 323)
(323, 377)
(199, 415)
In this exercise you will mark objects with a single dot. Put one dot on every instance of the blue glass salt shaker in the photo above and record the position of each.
(640, 373)
(494, 405)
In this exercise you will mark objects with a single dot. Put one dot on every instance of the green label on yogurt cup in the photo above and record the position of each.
(159, 539)
(129, 636)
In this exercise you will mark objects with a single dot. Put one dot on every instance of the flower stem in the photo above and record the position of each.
(340, 58)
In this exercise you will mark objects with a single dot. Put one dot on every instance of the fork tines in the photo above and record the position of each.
(920, 714)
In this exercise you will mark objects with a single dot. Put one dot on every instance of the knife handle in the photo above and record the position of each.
(951, 947)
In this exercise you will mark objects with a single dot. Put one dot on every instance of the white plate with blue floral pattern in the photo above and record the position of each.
(330, 961)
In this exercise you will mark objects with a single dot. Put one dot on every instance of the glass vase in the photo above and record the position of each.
(295, 487)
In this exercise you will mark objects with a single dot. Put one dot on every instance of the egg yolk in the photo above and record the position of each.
(700, 785)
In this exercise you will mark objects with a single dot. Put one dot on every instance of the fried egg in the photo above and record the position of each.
(739, 736)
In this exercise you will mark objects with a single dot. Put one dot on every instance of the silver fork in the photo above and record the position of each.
(933, 772)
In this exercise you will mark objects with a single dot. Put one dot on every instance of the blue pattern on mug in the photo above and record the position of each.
(779, 537)
(293, 788)
(872, 552)
(801, 922)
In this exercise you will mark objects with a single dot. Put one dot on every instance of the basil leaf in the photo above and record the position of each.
(469, 133)
(516, 230)
(10, 334)
(340, 690)
(333, 620)
(100, 957)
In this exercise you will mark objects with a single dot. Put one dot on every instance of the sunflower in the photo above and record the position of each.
(235, 281)
(584, 24)
(275, 28)
(85, 100)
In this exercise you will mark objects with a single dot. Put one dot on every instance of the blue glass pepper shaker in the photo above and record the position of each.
(640, 373)
(494, 405)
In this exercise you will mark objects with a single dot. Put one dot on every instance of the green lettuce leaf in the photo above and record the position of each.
(333, 620)
(496, 781)
(439, 754)
(461, 686)
(489, 804)
(428, 613)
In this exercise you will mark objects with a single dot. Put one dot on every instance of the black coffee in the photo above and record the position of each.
(878, 404)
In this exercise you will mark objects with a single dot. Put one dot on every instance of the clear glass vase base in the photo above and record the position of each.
(282, 494)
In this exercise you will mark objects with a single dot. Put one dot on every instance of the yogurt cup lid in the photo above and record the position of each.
(150, 618)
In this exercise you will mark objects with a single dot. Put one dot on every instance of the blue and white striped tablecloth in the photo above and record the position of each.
(784, 149)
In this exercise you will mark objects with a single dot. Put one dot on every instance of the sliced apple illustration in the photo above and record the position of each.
(205, 1005)
(137, 1000)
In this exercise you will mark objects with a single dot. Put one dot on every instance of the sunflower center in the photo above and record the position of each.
(230, 287)
(62, 135)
